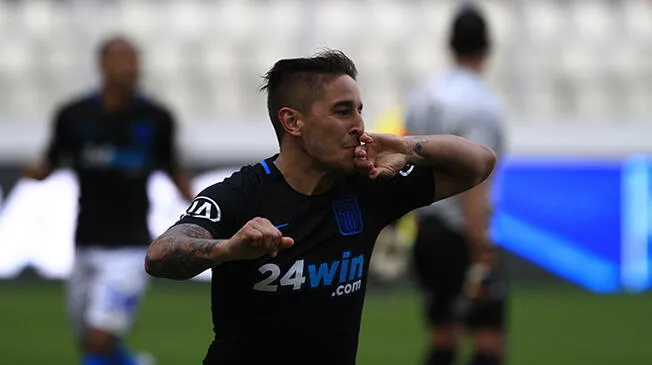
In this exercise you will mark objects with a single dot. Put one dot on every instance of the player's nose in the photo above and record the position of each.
(356, 132)
(358, 127)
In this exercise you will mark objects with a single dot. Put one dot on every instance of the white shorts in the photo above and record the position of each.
(105, 288)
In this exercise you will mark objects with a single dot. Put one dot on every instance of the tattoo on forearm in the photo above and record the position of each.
(418, 147)
(181, 253)
(193, 231)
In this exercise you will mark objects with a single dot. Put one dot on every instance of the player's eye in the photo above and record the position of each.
(342, 112)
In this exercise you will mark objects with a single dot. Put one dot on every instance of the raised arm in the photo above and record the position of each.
(183, 252)
(458, 163)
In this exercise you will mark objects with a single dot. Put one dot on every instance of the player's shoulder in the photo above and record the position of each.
(249, 178)
(484, 100)
(247, 181)
(488, 107)
(153, 106)
(467, 94)
(77, 104)
(151, 103)
(423, 91)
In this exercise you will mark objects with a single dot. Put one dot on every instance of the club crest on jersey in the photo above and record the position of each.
(204, 207)
(348, 216)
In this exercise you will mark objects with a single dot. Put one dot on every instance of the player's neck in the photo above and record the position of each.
(300, 172)
(474, 64)
(114, 99)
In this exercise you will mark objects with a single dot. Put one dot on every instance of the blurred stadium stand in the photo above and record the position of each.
(554, 59)
(557, 63)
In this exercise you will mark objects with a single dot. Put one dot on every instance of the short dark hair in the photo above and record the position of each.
(469, 35)
(296, 82)
(104, 46)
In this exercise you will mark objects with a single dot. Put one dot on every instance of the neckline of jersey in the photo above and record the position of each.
(276, 174)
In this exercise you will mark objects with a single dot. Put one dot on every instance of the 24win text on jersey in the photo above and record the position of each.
(347, 273)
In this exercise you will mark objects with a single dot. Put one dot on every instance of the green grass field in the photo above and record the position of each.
(549, 325)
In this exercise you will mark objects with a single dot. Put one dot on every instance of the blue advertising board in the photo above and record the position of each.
(587, 221)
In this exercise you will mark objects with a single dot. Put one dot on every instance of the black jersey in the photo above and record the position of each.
(307, 300)
(112, 154)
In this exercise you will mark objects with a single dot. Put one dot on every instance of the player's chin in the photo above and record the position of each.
(127, 82)
(344, 163)
(347, 166)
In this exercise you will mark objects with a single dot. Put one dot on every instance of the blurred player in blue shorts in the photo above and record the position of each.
(289, 239)
(113, 139)
(455, 262)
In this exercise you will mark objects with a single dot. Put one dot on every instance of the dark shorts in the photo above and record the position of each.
(441, 259)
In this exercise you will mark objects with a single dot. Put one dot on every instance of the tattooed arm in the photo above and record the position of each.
(183, 252)
(458, 164)
(188, 249)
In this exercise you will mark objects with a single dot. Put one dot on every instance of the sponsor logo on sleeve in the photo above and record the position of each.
(205, 208)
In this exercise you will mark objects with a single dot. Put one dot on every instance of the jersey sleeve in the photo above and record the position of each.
(60, 144)
(220, 209)
(411, 188)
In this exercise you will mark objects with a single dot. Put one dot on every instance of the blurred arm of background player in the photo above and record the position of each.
(476, 203)
(38, 171)
(181, 180)
(171, 164)
(476, 215)
(58, 146)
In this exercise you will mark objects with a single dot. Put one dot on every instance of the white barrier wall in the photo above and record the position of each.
(37, 221)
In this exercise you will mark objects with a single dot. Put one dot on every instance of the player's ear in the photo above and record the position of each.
(291, 121)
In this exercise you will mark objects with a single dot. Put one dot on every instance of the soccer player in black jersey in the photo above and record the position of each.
(112, 139)
(289, 239)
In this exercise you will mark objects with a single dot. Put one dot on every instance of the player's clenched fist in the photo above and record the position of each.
(257, 238)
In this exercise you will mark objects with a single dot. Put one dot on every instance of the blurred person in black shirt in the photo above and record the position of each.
(113, 140)
(289, 239)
